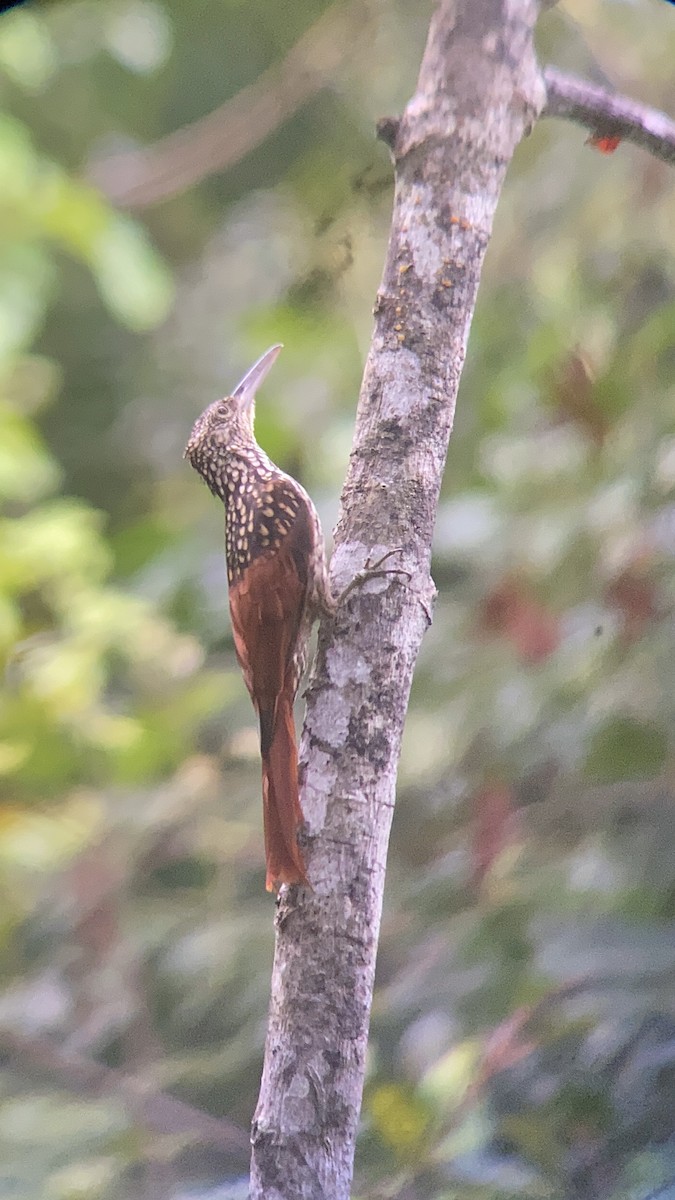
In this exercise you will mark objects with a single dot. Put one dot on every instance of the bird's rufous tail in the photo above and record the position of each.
(282, 814)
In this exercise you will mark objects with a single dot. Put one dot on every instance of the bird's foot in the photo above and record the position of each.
(372, 570)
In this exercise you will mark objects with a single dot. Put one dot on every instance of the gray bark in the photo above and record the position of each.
(608, 114)
(479, 90)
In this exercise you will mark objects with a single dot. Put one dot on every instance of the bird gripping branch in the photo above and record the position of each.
(278, 586)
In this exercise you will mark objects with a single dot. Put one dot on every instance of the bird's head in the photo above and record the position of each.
(227, 425)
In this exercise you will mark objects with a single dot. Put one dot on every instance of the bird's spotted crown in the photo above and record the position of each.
(218, 433)
(215, 418)
(225, 429)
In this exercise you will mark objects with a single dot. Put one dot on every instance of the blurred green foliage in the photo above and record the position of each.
(524, 1024)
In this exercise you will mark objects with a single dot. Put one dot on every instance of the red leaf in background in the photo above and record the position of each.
(633, 593)
(573, 396)
(96, 889)
(512, 611)
(506, 1045)
(603, 143)
(495, 826)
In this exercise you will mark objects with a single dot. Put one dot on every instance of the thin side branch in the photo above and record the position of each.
(609, 114)
(214, 143)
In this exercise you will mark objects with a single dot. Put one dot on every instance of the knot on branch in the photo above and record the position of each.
(387, 131)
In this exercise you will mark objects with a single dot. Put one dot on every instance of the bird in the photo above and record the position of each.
(278, 586)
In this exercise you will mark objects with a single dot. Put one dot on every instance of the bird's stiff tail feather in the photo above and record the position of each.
(281, 804)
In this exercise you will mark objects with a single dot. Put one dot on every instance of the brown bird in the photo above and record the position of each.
(278, 586)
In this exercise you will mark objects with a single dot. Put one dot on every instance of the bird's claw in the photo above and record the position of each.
(375, 566)
(373, 570)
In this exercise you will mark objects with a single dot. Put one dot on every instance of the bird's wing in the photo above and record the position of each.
(267, 602)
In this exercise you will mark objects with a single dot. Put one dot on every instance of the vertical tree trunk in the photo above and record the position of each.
(478, 91)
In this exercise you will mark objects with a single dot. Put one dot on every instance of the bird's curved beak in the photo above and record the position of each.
(244, 393)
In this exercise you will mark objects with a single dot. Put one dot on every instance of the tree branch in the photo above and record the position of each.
(608, 114)
(213, 143)
(156, 1110)
(479, 90)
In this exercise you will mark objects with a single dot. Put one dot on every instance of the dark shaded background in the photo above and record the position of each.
(523, 1040)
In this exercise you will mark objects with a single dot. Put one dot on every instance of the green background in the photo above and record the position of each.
(523, 1037)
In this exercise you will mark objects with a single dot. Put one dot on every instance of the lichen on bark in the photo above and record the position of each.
(479, 90)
